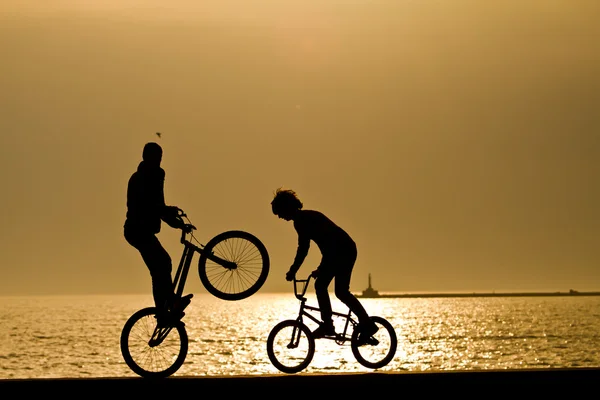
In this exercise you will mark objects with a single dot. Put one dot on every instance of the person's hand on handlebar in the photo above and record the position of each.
(173, 211)
(187, 228)
(290, 275)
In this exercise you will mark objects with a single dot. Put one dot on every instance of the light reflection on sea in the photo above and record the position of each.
(78, 336)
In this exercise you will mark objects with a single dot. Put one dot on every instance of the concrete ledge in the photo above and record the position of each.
(486, 383)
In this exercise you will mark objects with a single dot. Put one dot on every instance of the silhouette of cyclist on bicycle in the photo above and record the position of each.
(146, 209)
(338, 252)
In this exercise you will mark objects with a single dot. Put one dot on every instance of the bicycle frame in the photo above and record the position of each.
(300, 287)
(189, 249)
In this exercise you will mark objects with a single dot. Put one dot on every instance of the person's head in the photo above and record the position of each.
(152, 153)
(285, 203)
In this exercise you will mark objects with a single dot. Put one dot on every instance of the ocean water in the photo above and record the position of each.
(78, 336)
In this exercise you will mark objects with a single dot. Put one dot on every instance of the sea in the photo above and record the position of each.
(78, 336)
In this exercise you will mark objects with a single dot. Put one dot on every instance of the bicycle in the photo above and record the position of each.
(291, 344)
(233, 265)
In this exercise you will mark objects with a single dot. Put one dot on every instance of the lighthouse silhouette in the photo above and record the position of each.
(370, 292)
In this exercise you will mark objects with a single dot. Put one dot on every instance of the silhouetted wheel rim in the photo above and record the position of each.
(251, 258)
(286, 358)
(376, 356)
(157, 361)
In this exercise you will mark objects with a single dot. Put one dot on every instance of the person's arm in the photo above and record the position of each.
(169, 214)
(301, 253)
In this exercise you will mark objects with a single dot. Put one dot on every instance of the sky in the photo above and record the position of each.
(458, 142)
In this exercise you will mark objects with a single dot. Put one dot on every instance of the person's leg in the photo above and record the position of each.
(344, 266)
(322, 283)
(342, 291)
(158, 261)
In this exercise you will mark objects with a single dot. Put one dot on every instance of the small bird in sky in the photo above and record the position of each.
(158, 134)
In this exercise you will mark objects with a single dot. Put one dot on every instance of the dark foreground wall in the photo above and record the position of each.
(533, 383)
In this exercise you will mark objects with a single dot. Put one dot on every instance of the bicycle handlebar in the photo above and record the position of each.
(186, 227)
(300, 286)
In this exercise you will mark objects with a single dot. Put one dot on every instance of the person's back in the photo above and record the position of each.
(145, 198)
(316, 226)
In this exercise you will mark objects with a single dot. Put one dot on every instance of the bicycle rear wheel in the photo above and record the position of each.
(251, 261)
(153, 352)
(380, 349)
(290, 346)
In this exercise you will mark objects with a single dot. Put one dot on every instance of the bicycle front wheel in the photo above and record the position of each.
(248, 269)
(380, 349)
(153, 352)
(290, 346)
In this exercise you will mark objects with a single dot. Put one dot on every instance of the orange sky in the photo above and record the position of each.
(457, 142)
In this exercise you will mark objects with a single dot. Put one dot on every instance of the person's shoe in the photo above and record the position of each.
(366, 333)
(324, 330)
(184, 302)
(371, 341)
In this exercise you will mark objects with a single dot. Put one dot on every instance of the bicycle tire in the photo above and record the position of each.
(251, 258)
(379, 355)
(285, 357)
(153, 361)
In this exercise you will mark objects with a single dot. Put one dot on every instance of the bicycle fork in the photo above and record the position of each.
(158, 336)
(297, 331)
(295, 339)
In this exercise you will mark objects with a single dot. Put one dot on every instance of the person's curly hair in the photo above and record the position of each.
(285, 200)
